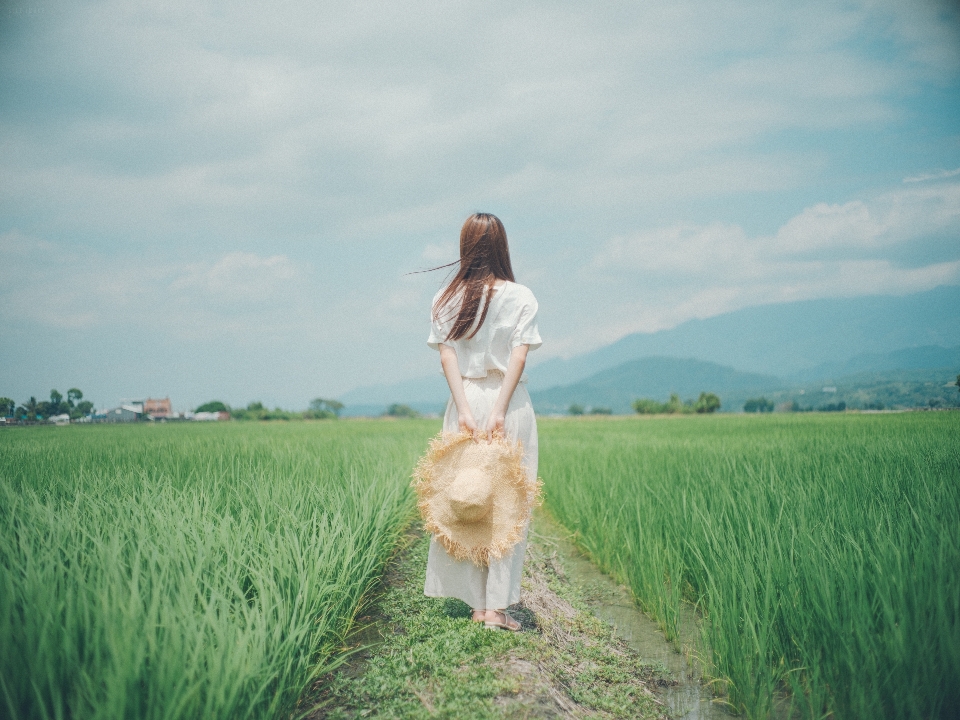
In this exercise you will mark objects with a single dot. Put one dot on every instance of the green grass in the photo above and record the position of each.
(190, 571)
(424, 658)
(822, 551)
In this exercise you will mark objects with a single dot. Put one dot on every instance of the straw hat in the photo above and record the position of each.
(475, 497)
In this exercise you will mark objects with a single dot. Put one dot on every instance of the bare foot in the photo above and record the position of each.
(479, 616)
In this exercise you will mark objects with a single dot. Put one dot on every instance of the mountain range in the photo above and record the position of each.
(783, 339)
(903, 378)
(762, 349)
(915, 358)
(651, 377)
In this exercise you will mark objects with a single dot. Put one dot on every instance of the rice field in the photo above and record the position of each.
(191, 571)
(185, 571)
(822, 551)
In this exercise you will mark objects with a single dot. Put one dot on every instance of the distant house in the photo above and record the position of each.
(124, 413)
(158, 408)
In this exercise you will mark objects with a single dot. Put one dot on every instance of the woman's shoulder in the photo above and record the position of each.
(521, 293)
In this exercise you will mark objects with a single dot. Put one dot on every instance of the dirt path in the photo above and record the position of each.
(424, 658)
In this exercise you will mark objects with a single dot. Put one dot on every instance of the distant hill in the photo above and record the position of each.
(658, 377)
(906, 378)
(783, 339)
(427, 409)
(802, 341)
(925, 357)
(429, 389)
(653, 377)
(873, 389)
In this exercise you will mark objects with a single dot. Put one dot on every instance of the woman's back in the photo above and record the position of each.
(511, 321)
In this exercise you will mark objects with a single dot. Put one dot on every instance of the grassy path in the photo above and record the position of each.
(426, 659)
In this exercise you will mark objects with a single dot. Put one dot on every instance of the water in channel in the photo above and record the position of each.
(689, 699)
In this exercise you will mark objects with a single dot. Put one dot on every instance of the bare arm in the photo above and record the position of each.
(451, 370)
(518, 360)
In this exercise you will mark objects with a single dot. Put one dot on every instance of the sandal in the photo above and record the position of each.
(508, 623)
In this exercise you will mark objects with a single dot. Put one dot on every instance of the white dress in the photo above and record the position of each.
(511, 321)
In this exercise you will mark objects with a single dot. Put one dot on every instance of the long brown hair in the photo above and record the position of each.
(484, 259)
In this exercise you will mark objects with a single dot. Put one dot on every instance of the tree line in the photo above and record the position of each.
(319, 409)
(33, 410)
(708, 402)
(576, 409)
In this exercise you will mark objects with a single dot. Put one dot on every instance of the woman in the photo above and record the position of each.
(483, 324)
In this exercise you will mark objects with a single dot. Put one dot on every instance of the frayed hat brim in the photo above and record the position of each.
(429, 481)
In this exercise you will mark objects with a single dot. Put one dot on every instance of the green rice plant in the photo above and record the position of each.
(190, 571)
(821, 551)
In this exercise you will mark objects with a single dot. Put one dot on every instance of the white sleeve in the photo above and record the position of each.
(437, 335)
(526, 331)
(438, 330)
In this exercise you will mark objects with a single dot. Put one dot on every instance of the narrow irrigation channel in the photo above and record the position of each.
(686, 697)
(586, 650)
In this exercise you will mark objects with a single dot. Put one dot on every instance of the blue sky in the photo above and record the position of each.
(223, 200)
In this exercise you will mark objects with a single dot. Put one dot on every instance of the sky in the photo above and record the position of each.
(227, 200)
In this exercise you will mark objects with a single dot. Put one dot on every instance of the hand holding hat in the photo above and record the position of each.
(475, 498)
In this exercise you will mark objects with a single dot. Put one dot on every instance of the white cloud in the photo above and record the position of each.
(69, 287)
(890, 219)
(823, 225)
(271, 171)
(437, 253)
(656, 279)
(848, 230)
(937, 175)
(685, 250)
(246, 117)
(239, 278)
